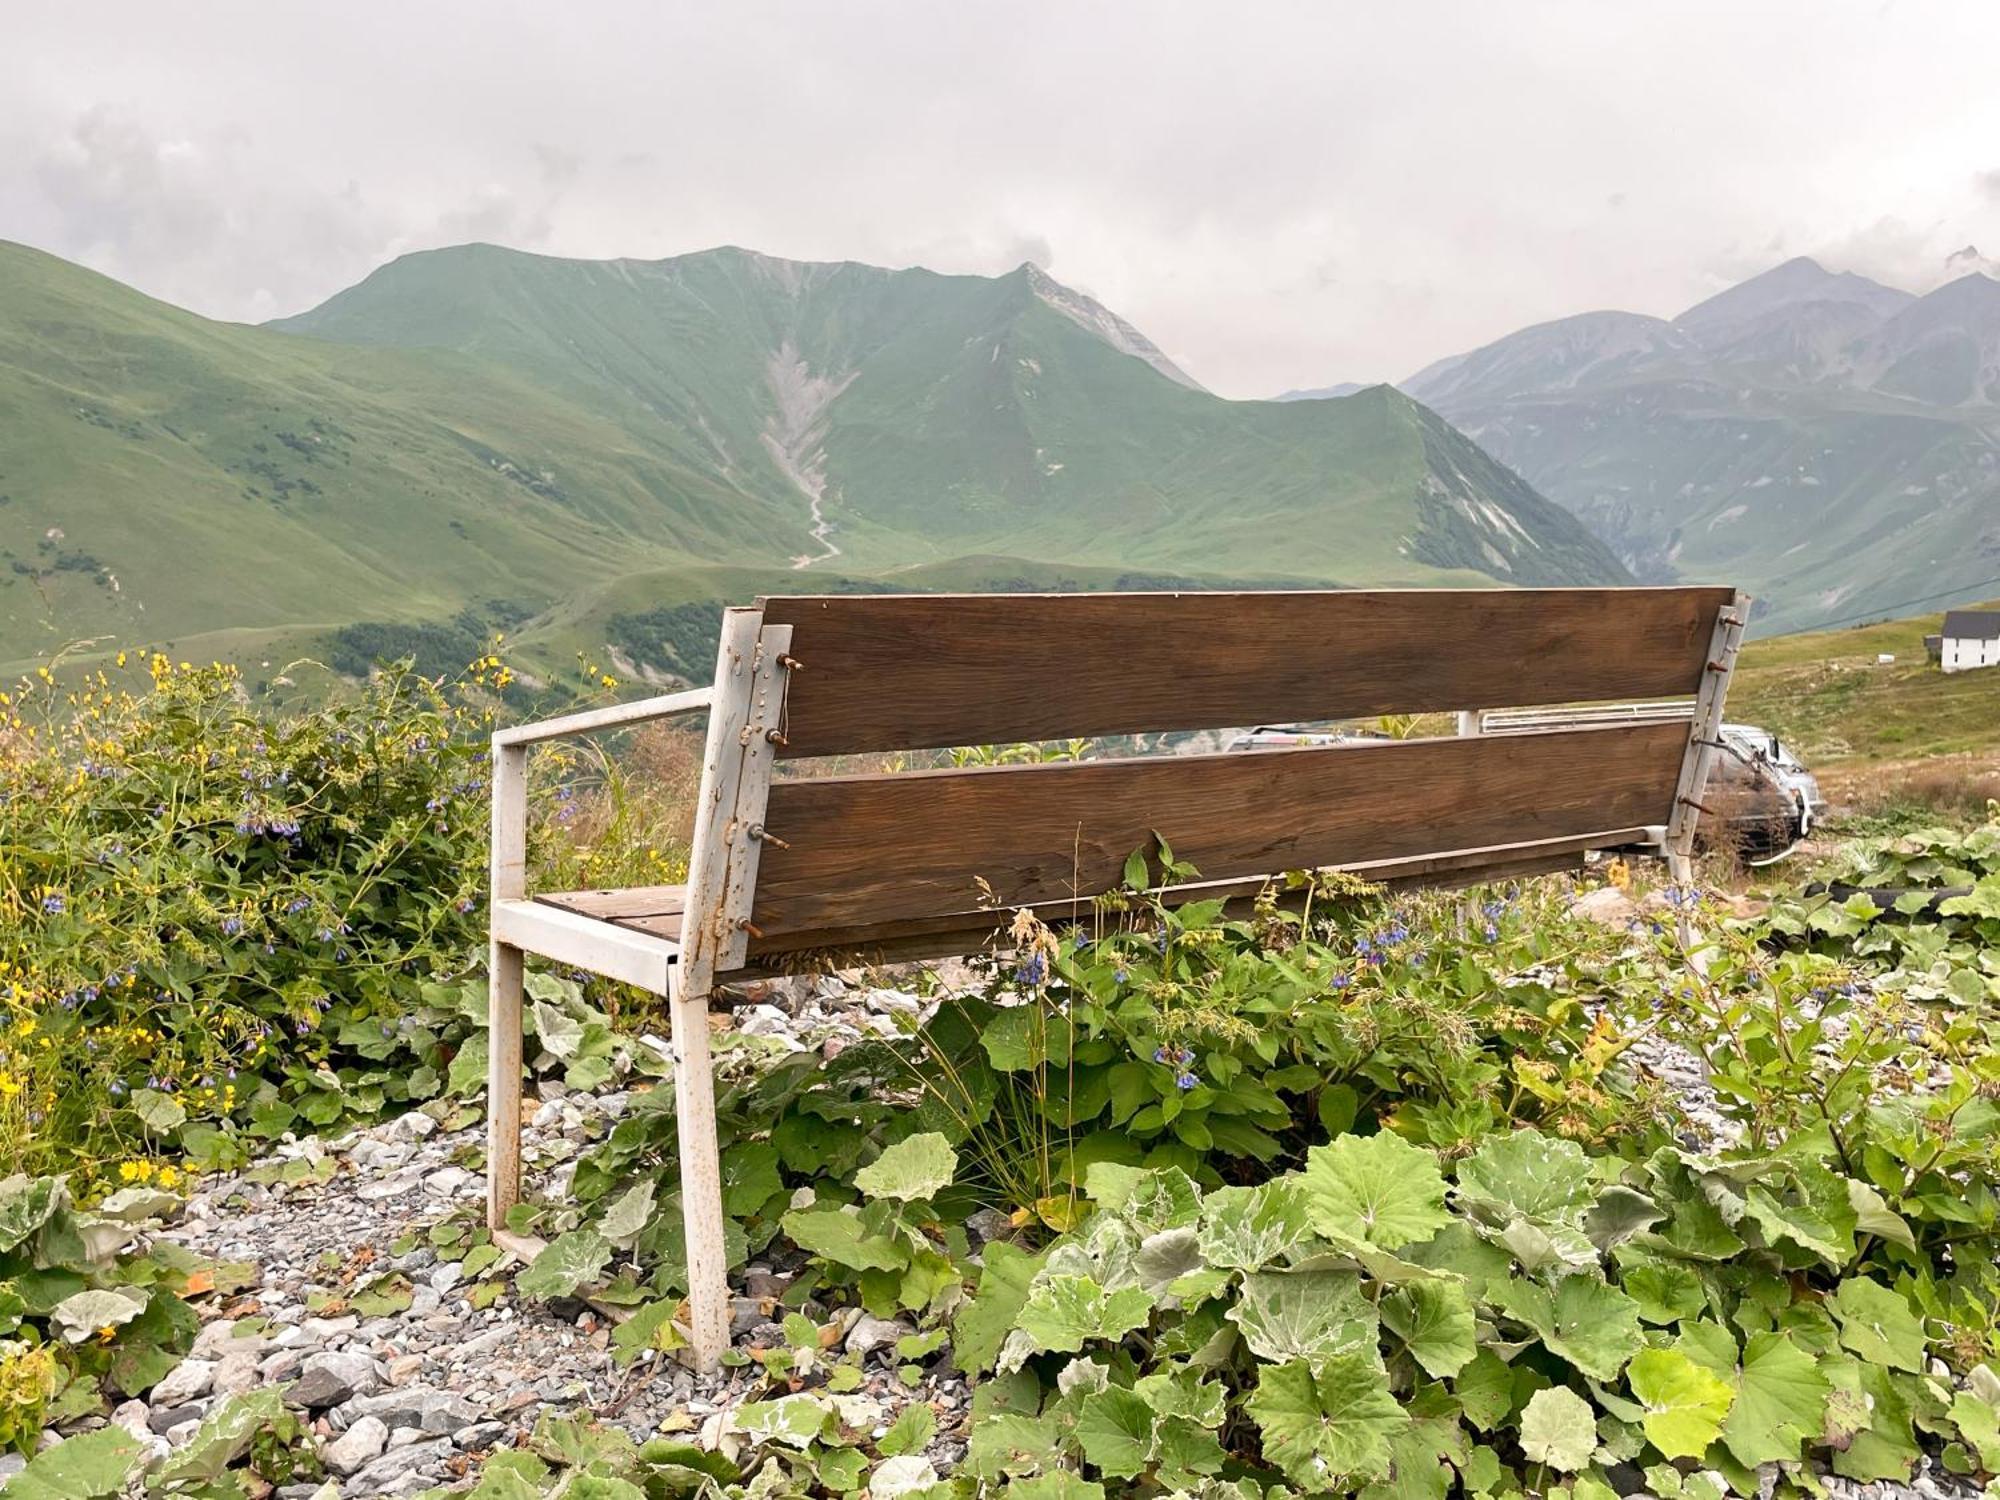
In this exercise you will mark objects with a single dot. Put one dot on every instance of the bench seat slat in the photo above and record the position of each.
(873, 849)
(904, 672)
(660, 901)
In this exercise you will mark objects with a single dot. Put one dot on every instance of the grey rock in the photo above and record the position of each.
(219, 1338)
(182, 1433)
(414, 1126)
(447, 1181)
(445, 1277)
(331, 1378)
(420, 1406)
(187, 1381)
(396, 1185)
(132, 1415)
(479, 1347)
(399, 1464)
(237, 1372)
(480, 1435)
(1607, 906)
(870, 1332)
(11, 1464)
(357, 1447)
(763, 1020)
(164, 1419)
(281, 1364)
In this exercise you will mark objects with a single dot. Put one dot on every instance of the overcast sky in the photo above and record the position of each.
(1279, 194)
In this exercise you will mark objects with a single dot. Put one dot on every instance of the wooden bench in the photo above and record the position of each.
(933, 862)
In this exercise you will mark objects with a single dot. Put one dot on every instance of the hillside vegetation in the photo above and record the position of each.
(471, 438)
(1828, 695)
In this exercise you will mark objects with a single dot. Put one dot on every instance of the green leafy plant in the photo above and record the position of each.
(1380, 1323)
(81, 1311)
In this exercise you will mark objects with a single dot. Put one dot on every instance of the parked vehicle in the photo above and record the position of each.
(1285, 736)
(1762, 794)
(1760, 798)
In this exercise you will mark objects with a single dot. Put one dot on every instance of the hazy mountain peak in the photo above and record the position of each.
(1974, 289)
(1325, 392)
(1088, 312)
(1798, 281)
(1555, 356)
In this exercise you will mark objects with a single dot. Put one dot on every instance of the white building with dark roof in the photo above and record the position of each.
(1970, 639)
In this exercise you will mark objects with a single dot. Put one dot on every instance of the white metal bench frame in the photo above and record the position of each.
(746, 707)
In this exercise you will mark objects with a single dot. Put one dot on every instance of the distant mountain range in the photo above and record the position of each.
(1831, 443)
(477, 436)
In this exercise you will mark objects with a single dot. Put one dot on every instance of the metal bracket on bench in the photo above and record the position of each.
(1704, 731)
(745, 835)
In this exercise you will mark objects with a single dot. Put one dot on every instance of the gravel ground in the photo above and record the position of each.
(416, 1396)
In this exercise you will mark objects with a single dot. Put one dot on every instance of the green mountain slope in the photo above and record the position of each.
(165, 475)
(1831, 443)
(476, 437)
(931, 416)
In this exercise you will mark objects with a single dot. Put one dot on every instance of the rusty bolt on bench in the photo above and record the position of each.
(791, 664)
(758, 833)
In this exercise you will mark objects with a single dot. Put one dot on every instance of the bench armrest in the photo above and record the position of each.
(509, 880)
(604, 718)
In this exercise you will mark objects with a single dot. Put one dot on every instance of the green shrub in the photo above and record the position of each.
(210, 911)
(219, 912)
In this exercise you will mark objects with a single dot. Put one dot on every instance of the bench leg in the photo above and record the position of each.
(504, 999)
(1680, 870)
(701, 1176)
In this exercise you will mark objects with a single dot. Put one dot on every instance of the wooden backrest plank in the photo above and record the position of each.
(871, 849)
(917, 671)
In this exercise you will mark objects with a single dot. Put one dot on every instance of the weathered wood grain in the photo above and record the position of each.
(655, 910)
(872, 849)
(922, 671)
(615, 905)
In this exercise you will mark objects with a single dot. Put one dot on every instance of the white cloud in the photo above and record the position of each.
(1284, 194)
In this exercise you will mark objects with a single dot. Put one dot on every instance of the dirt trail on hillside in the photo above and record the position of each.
(795, 436)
